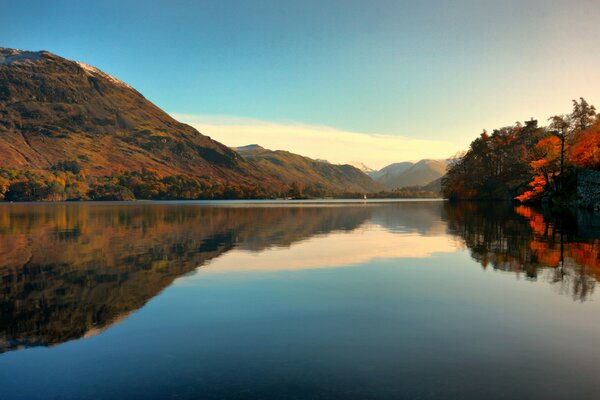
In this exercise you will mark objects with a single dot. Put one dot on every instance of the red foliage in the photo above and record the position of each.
(585, 152)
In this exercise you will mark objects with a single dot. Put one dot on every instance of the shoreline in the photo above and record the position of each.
(236, 201)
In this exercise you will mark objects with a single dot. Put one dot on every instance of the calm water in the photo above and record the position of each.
(413, 300)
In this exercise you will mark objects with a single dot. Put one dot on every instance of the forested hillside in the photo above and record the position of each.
(528, 162)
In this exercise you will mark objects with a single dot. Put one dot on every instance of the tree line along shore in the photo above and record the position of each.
(531, 163)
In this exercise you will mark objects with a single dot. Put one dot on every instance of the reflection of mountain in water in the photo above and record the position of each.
(564, 249)
(418, 217)
(69, 270)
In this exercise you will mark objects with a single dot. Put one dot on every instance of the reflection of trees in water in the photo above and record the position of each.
(414, 217)
(560, 248)
(70, 270)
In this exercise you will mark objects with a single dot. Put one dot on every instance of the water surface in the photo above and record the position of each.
(297, 301)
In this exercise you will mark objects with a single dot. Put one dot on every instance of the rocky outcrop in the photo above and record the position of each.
(588, 189)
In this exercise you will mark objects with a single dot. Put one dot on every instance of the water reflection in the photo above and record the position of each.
(70, 270)
(560, 248)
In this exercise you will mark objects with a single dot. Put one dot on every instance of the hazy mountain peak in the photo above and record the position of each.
(360, 165)
(249, 147)
(409, 173)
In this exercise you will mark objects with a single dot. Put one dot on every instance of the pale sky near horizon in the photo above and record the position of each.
(372, 81)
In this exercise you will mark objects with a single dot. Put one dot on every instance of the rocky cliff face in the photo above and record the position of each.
(588, 189)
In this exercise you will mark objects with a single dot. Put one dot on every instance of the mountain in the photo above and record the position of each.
(364, 168)
(314, 174)
(434, 186)
(54, 110)
(66, 116)
(404, 174)
(392, 169)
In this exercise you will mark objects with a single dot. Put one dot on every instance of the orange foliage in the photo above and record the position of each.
(544, 254)
(545, 167)
(585, 152)
(585, 254)
(536, 220)
(550, 147)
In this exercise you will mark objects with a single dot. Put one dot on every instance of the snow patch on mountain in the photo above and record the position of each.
(93, 71)
(10, 56)
(364, 168)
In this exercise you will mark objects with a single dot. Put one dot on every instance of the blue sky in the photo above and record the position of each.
(430, 73)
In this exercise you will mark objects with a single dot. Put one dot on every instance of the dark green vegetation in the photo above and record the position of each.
(529, 162)
(69, 131)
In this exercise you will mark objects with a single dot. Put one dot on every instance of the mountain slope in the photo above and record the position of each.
(316, 175)
(360, 165)
(54, 110)
(408, 174)
(392, 169)
(434, 186)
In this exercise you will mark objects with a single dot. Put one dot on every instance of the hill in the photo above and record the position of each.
(318, 177)
(360, 165)
(392, 169)
(405, 174)
(54, 110)
(71, 131)
(434, 186)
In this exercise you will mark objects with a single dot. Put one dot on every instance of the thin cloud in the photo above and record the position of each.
(318, 142)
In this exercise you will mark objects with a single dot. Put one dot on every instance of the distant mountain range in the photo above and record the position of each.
(53, 110)
(405, 174)
(318, 174)
(57, 112)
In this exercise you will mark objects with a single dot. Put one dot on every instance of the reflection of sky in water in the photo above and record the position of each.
(269, 314)
(340, 249)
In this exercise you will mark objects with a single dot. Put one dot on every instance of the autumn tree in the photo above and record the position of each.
(583, 115)
(561, 128)
(585, 151)
(496, 166)
(4, 185)
(545, 166)
(524, 161)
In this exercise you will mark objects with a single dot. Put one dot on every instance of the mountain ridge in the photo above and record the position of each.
(54, 109)
(65, 123)
(317, 176)
(409, 174)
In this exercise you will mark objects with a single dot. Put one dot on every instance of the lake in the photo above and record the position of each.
(298, 300)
